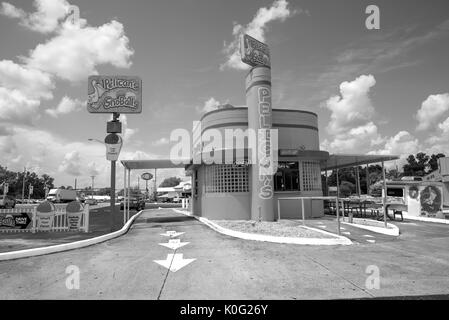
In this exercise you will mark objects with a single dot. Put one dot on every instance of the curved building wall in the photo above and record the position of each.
(296, 130)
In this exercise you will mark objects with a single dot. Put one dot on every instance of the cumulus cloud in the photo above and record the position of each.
(209, 105)
(76, 51)
(11, 11)
(65, 106)
(71, 164)
(35, 83)
(353, 107)
(359, 139)
(15, 106)
(403, 143)
(431, 110)
(161, 142)
(45, 19)
(257, 28)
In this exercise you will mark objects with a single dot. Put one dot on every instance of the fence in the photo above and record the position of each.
(185, 202)
(336, 199)
(60, 221)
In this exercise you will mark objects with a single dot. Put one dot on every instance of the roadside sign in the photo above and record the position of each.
(113, 144)
(114, 94)
(146, 176)
(5, 188)
(254, 52)
(31, 189)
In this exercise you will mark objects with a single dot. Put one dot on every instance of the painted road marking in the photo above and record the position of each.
(174, 262)
(171, 234)
(174, 244)
(348, 233)
(342, 228)
(371, 241)
(368, 236)
(322, 227)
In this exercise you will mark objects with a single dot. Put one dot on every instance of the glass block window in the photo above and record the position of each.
(311, 176)
(226, 178)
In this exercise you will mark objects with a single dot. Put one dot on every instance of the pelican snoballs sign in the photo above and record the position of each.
(254, 52)
(120, 94)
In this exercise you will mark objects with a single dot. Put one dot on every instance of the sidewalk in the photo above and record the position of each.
(99, 225)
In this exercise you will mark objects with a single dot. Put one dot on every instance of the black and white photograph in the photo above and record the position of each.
(224, 155)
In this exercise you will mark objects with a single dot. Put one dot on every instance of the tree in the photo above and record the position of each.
(15, 182)
(170, 182)
(422, 164)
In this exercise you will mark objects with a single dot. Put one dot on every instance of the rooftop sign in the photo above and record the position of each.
(109, 94)
(254, 52)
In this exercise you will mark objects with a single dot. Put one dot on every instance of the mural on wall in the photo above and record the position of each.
(431, 201)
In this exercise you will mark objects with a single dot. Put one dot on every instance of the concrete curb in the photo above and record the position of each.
(425, 219)
(67, 246)
(340, 240)
(392, 230)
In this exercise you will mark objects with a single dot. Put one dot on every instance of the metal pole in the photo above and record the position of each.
(302, 208)
(155, 187)
(384, 200)
(129, 189)
(338, 215)
(124, 194)
(279, 209)
(367, 179)
(23, 184)
(112, 195)
(358, 180)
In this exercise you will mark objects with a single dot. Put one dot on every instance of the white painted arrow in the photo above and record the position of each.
(174, 244)
(174, 262)
(171, 234)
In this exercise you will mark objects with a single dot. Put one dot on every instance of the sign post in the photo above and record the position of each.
(258, 99)
(116, 95)
(146, 176)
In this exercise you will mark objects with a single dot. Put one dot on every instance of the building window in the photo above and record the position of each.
(226, 179)
(311, 176)
(287, 176)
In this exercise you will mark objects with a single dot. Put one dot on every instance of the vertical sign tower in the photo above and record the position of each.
(264, 149)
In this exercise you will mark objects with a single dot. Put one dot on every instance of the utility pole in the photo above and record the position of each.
(23, 184)
(92, 191)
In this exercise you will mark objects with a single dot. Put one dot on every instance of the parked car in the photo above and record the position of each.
(134, 203)
(91, 201)
(7, 202)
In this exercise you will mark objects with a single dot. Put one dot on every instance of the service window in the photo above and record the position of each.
(395, 192)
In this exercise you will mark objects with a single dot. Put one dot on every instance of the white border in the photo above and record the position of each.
(340, 240)
(391, 229)
(68, 246)
(425, 219)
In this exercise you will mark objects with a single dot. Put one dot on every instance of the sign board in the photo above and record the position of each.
(113, 144)
(254, 52)
(109, 94)
(31, 189)
(45, 213)
(146, 176)
(15, 221)
(5, 188)
(74, 214)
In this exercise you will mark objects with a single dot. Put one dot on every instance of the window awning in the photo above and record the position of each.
(154, 164)
(338, 161)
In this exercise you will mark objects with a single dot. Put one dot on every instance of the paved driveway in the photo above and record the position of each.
(229, 268)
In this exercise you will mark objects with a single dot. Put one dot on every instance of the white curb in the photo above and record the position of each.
(392, 230)
(425, 219)
(68, 246)
(340, 240)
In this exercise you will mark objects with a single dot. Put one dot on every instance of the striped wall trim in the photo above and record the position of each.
(245, 125)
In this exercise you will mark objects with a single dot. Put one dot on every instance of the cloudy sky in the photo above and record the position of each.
(375, 91)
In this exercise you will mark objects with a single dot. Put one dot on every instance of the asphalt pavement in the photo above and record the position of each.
(208, 265)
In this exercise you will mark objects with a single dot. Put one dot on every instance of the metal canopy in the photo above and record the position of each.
(153, 164)
(338, 161)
